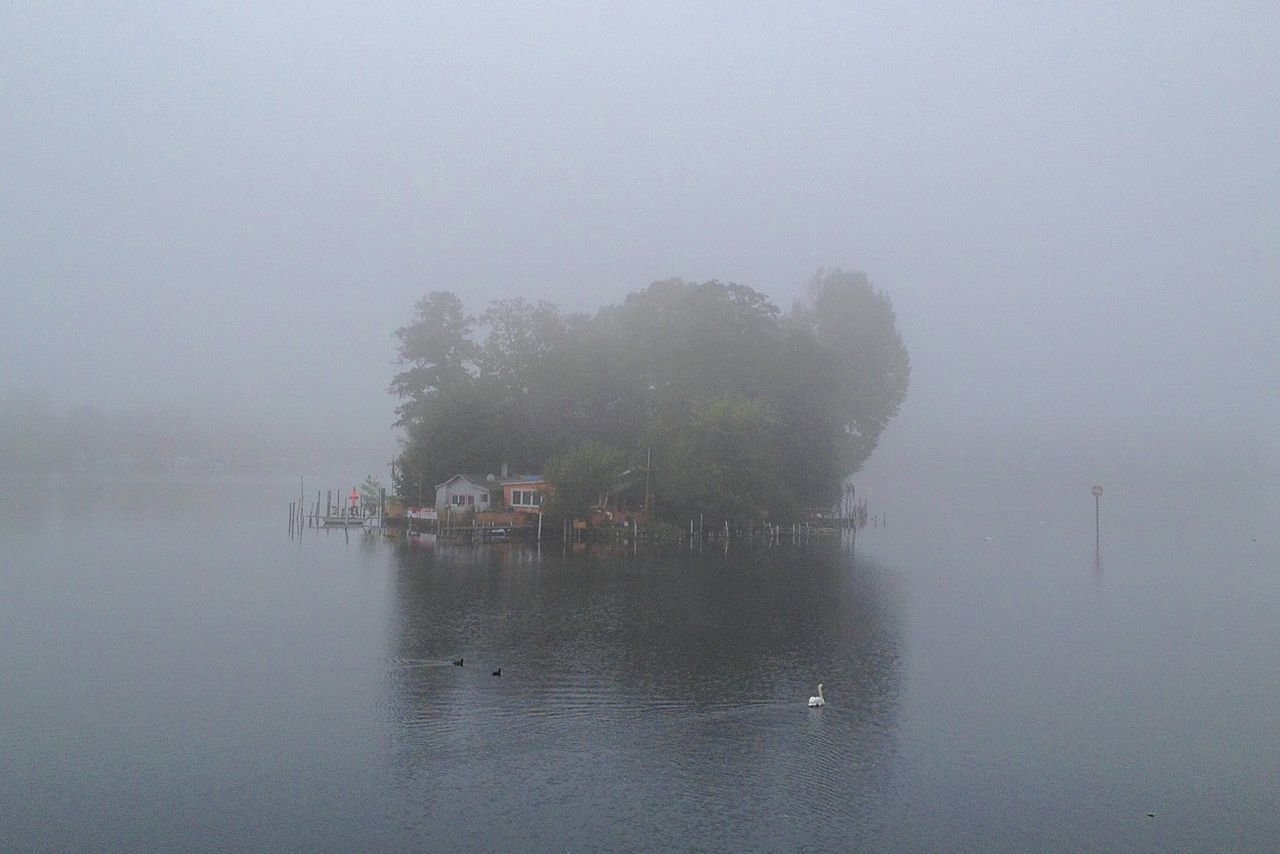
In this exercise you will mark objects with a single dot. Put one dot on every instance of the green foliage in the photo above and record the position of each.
(748, 412)
(521, 338)
(717, 460)
(466, 429)
(370, 493)
(856, 323)
(583, 476)
(438, 349)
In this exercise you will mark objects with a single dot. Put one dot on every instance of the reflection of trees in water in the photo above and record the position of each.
(691, 669)
(746, 639)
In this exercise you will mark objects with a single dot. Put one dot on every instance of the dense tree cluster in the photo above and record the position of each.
(747, 412)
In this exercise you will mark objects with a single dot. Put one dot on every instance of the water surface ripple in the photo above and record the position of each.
(178, 673)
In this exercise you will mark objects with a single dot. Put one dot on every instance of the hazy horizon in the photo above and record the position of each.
(227, 212)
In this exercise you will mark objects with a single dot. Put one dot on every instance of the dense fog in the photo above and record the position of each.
(214, 219)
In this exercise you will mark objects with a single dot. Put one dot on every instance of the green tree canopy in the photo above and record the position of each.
(717, 459)
(582, 477)
(855, 322)
(370, 493)
(439, 351)
(747, 412)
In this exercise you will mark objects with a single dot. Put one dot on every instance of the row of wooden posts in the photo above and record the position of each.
(301, 516)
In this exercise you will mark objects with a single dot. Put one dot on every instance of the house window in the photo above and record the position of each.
(526, 498)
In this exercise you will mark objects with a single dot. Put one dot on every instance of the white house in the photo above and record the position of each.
(463, 492)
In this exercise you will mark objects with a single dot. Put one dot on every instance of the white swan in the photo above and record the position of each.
(818, 700)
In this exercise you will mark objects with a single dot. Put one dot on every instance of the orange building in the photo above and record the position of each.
(525, 493)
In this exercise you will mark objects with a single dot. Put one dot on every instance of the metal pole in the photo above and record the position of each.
(648, 496)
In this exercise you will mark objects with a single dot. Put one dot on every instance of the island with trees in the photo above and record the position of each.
(704, 400)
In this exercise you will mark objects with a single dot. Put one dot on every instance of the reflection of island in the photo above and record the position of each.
(641, 694)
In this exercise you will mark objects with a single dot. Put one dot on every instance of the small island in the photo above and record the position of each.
(685, 401)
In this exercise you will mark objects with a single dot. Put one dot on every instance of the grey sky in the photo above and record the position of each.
(1076, 211)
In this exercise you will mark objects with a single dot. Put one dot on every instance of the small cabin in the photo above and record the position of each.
(464, 492)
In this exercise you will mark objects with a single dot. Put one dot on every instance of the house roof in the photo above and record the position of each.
(523, 478)
(479, 481)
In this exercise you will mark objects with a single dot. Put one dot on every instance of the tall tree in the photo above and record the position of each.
(464, 429)
(856, 323)
(521, 335)
(438, 349)
(700, 338)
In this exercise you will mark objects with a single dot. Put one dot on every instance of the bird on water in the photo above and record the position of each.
(818, 700)
(458, 663)
(498, 672)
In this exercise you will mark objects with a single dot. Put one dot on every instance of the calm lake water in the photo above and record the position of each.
(175, 672)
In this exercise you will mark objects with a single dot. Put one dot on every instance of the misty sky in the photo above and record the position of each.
(1076, 212)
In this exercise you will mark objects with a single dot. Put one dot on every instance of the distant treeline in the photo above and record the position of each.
(746, 411)
(36, 435)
